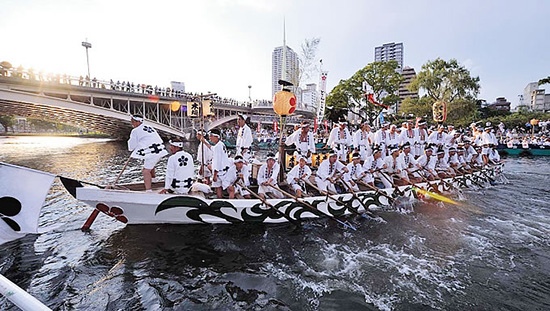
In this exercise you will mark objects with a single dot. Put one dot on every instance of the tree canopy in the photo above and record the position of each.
(7, 121)
(544, 80)
(447, 81)
(382, 77)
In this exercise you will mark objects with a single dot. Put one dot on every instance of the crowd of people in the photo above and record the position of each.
(388, 157)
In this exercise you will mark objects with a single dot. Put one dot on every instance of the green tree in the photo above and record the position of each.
(41, 125)
(450, 82)
(382, 77)
(544, 80)
(7, 121)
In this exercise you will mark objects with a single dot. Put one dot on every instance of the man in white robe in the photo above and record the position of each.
(409, 135)
(328, 171)
(244, 138)
(355, 172)
(220, 161)
(371, 166)
(362, 142)
(268, 175)
(145, 143)
(180, 170)
(422, 139)
(428, 161)
(204, 156)
(340, 141)
(303, 140)
(381, 139)
(237, 174)
(295, 178)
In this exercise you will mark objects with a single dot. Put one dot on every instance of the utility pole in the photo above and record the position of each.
(87, 45)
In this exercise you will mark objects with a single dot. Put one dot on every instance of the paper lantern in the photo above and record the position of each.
(534, 122)
(175, 106)
(439, 111)
(207, 107)
(193, 109)
(284, 103)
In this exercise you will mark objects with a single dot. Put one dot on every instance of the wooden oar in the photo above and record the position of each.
(376, 190)
(345, 224)
(348, 206)
(367, 211)
(278, 212)
(396, 188)
(426, 192)
(122, 171)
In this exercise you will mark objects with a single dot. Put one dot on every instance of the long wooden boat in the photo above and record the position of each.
(138, 207)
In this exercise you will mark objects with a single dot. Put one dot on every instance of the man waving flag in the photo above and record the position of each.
(22, 194)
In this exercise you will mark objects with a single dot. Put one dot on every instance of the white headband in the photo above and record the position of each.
(177, 144)
(139, 119)
(240, 160)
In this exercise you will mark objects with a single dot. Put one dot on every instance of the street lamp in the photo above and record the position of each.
(249, 96)
(87, 45)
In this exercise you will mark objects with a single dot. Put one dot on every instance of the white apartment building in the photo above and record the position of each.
(389, 51)
(309, 96)
(292, 68)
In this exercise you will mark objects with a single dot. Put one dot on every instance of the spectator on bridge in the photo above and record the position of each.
(80, 80)
(145, 143)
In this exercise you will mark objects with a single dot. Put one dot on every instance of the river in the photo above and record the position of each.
(492, 253)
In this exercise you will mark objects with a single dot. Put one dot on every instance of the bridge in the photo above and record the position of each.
(104, 107)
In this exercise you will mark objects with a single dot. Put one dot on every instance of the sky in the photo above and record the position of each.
(224, 46)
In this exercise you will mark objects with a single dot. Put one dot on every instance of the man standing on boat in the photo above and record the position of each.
(421, 139)
(180, 169)
(340, 140)
(220, 161)
(303, 140)
(237, 173)
(244, 138)
(145, 143)
(326, 173)
(381, 138)
(267, 175)
(362, 141)
(295, 178)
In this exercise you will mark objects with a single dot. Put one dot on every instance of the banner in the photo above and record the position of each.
(207, 108)
(381, 117)
(275, 126)
(326, 125)
(315, 125)
(259, 129)
(22, 194)
(370, 99)
(322, 96)
(193, 109)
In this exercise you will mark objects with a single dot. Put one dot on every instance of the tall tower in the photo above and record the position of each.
(389, 51)
(284, 65)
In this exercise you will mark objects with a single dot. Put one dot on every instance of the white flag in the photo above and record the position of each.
(22, 194)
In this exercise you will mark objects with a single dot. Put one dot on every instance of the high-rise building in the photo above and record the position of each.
(389, 51)
(309, 96)
(535, 98)
(292, 68)
(408, 75)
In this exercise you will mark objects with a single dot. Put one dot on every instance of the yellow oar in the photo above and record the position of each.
(435, 196)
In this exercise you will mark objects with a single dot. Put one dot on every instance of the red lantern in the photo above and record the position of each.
(284, 103)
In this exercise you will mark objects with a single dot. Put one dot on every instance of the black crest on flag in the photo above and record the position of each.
(10, 207)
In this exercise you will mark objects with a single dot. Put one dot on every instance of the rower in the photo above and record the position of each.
(145, 143)
(422, 139)
(438, 137)
(393, 136)
(393, 166)
(237, 173)
(487, 139)
(463, 166)
(409, 164)
(326, 172)
(268, 175)
(204, 156)
(381, 138)
(372, 164)
(244, 138)
(453, 159)
(442, 166)
(362, 141)
(180, 169)
(428, 162)
(340, 140)
(355, 172)
(409, 135)
(303, 140)
(220, 161)
(295, 178)
(494, 157)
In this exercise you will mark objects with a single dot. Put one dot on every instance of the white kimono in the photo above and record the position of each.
(230, 179)
(180, 171)
(381, 140)
(409, 165)
(372, 165)
(145, 143)
(244, 141)
(361, 142)
(298, 172)
(220, 162)
(326, 170)
(394, 166)
(428, 164)
(355, 172)
(302, 147)
(264, 175)
(340, 141)
(409, 137)
(420, 145)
